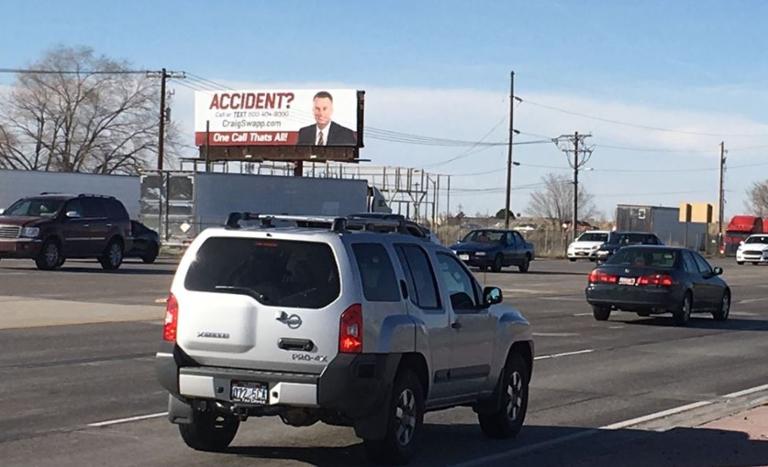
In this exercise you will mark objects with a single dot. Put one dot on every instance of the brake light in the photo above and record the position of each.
(351, 330)
(658, 280)
(596, 277)
(171, 318)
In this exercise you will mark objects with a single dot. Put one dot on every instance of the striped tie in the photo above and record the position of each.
(320, 141)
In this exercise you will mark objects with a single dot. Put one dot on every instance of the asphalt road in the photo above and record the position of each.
(591, 379)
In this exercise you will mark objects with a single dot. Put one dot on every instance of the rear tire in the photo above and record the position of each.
(721, 314)
(739, 262)
(49, 257)
(112, 257)
(601, 313)
(150, 256)
(682, 315)
(210, 431)
(572, 260)
(498, 263)
(405, 418)
(526, 264)
(644, 314)
(507, 421)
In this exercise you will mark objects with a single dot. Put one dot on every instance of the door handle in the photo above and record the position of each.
(109, 225)
(456, 325)
(86, 225)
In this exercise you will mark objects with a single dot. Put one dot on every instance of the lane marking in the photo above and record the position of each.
(614, 426)
(564, 354)
(582, 314)
(752, 300)
(127, 420)
(656, 415)
(555, 334)
(161, 300)
(563, 299)
(746, 391)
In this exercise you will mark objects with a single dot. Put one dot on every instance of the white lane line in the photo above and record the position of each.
(746, 391)
(582, 314)
(554, 334)
(563, 299)
(752, 300)
(656, 415)
(591, 431)
(524, 450)
(564, 354)
(129, 419)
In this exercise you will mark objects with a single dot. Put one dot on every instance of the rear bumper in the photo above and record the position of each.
(633, 298)
(358, 386)
(20, 248)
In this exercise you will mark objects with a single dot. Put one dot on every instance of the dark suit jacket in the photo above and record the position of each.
(337, 136)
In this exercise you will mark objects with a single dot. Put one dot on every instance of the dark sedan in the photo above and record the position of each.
(657, 279)
(495, 249)
(617, 240)
(145, 243)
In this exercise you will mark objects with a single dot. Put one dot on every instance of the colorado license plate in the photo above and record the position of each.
(464, 257)
(250, 393)
(626, 281)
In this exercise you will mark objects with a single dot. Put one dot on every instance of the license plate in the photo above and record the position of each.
(250, 393)
(464, 257)
(626, 281)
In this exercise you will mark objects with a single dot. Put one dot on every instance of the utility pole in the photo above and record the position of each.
(512, 132)
(164, 75)
(581, 155)
(721, 194)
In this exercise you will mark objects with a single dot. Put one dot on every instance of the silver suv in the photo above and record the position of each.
(348, 321)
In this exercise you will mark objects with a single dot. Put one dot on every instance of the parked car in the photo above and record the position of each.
(587, 244)
(322, 322)
(753, 250)
(618, 240)
(490, 248)
(412, 227)
(145, 243)
(658, 279)
(52, 227)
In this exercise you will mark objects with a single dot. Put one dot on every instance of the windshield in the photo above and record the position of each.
(592, 237)
(35, 207)
(761, 239)
(484, 236)
(644, 258)
(274, 272)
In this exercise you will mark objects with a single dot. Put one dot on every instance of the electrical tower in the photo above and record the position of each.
(575, 144)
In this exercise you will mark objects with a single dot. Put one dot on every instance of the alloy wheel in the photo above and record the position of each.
(405, 415)
(515, 395)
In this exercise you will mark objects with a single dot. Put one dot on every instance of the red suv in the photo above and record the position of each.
(52, 227)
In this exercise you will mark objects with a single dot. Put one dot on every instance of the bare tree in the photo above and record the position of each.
(555, 200)
(757, 198)
(82, 121)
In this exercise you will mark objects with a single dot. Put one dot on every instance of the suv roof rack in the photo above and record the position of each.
(337, 224)
(82, 195)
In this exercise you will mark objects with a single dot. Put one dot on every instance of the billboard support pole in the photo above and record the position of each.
(207, 146)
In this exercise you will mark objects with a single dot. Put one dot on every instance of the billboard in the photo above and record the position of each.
(299, 117)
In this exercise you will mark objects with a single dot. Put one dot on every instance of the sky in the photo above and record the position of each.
(658, 85)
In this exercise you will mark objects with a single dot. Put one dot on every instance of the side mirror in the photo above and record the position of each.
(492, 296)
(458, 240)
(717, 271)
(741, 242)
(73, 215)
(2, 211)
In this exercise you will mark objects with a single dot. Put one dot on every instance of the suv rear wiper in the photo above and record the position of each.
(242, 290)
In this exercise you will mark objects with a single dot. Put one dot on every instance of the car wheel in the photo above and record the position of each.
(572, 260)
(601, 313)
(483, 268)
(644, 313)
(498, 263)
(507, 420)
(151, 255)
(49, 257)
(754, 263)
(739, 262)
(725, 308)
(682, 315)
(112, 257)
(210, 431)
(404, 421)
(526, 264)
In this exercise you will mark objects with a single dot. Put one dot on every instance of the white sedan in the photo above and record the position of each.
(753, 250)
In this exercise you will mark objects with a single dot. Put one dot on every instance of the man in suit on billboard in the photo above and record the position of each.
(325, 132)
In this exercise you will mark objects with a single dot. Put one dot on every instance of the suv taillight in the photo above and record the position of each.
(351, 330)
(171, 319)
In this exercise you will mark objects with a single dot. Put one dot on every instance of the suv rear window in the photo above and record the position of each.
(274, 272)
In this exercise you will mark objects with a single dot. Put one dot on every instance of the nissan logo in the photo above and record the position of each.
(293, 321)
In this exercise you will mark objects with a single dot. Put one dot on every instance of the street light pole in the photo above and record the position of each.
(575, 184)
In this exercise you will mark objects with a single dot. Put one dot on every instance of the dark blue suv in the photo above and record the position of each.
(492, 248)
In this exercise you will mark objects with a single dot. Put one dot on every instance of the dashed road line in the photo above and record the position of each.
(127, 420)
(564, 354)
